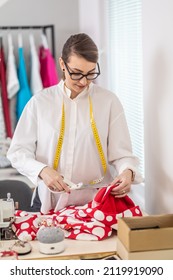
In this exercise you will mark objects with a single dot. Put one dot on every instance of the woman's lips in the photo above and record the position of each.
(81, 87)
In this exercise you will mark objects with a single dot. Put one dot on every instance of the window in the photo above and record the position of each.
(125, 55)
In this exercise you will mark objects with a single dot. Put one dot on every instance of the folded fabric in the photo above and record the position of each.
(97, 219)
(92, 221)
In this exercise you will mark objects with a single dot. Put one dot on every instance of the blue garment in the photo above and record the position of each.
(24, 93)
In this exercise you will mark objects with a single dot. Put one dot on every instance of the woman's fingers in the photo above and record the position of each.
(122, 184)
(53, 179)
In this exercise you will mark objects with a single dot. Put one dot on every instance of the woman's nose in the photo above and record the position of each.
(84, 81)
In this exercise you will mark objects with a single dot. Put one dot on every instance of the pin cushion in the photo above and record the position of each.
(51, 240)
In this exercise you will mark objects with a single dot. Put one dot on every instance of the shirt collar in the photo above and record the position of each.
(67, 91)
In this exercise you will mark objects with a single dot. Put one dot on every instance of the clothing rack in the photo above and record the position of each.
(43, 27)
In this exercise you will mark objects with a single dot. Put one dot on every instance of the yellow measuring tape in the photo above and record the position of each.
(96, 137)
(60, 140)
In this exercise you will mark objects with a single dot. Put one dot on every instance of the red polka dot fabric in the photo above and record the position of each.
(93, 221)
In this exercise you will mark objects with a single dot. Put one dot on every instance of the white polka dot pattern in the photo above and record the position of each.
(98, 231)
(92, 221)
(99, 215)
(24, 225)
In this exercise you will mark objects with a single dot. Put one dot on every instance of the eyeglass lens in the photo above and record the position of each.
(79, 76)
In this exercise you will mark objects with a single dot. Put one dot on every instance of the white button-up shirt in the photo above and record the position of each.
(35, 139)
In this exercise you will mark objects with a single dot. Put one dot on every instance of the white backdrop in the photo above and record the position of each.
(158, 104)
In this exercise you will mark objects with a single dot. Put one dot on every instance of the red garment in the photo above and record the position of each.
(5, 102)
(92, 221)
(48, 69)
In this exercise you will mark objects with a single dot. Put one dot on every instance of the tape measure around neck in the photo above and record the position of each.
(60, 140)
(96, 138)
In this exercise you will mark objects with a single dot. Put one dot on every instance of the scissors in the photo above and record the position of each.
(77, 186)
(73, 186)
(81, 185)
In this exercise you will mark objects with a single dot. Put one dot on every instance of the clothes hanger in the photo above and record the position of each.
(31, 39)
(32, 43)
(10, 41)
(1, 41)
(20, 40)
(44, 41)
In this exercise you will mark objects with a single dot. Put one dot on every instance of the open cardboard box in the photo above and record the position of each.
(146, 233)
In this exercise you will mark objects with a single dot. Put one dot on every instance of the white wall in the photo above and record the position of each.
(158, 104)
(2, 2)
(93, 21)
(69, 17)
(62, 13)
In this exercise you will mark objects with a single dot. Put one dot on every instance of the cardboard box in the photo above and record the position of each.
(124, 254)
(146, 233)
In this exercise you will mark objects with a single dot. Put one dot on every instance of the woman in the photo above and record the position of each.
(74, 131)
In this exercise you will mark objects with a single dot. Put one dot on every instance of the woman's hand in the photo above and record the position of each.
(122, 183)
(53, 179)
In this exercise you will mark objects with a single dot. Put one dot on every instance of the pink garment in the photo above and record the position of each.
(5, 101)
(48, 69)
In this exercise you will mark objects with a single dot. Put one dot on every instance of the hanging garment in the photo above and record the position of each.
(2, 121)
(5, 102)
(12, 82)
(24, 93)
(93, 221)
(48, 69)
(35, 78)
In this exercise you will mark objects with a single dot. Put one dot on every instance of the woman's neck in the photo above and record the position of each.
(74, 94)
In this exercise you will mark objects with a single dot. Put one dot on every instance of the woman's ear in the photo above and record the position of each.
(61, 63)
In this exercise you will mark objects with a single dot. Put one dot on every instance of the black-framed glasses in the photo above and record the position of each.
(78, 76)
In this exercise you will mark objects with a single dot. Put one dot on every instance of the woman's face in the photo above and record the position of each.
(77, 65)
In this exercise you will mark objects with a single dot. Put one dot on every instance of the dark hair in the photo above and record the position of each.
(81, 45)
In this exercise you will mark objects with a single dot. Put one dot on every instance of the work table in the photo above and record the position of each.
(74, 249)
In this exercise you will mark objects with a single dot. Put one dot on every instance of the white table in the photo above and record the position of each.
(74, 249)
